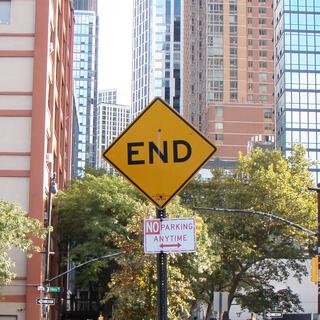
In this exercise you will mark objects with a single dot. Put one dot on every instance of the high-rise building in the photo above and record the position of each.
(36, 119)
(75, 138)
(156, 53)
(228, 72)
(297, 77)
(108, 96)
(85, 68)
(112, 119)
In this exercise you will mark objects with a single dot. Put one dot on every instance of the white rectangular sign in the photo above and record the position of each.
(46, 301)
(274, 314)
(169, 235)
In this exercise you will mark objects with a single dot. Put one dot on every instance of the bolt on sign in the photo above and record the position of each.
(159, 152)
(169, 235)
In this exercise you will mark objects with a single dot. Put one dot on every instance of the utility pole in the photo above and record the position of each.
(52, 190)
(318, 242)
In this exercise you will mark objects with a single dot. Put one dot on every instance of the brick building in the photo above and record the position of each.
(35, 119)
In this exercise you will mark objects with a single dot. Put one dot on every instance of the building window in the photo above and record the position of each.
(234, 85)
(233, 51)
(219, 126)
(219, 111)
(268, 139)
(5, 8)
(263, 87)
(262, 32)
(233, 73)
(219, 137)
(262, 76)
(268, 126)
(263, 64)
(263, 53)
(267, 113)
(233, 95)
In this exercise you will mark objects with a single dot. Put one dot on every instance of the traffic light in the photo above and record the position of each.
(199, 225)
(314, 270)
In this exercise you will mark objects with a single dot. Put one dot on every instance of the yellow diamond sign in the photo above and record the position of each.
(159, 152)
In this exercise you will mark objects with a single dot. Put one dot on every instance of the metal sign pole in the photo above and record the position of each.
(318, 249)
(318, 243)
(162, 278)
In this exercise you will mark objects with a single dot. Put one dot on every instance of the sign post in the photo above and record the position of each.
(159, 153)
(162, 277)
(317, 188)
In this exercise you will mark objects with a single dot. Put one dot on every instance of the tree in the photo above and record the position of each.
(103, 214)
(135, 283)
(16, 230)
(255, 252)
(90, 211)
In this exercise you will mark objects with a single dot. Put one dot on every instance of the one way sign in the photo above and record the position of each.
(274, 314)
(49, 301)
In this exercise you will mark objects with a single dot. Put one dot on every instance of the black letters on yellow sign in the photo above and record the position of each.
(181, 152)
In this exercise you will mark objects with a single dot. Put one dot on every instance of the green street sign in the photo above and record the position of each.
(53, 289)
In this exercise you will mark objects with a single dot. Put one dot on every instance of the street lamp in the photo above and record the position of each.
(52, 191)
(317, 188)
(260, 213)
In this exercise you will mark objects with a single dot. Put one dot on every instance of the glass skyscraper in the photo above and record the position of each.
(156, 53)
(85, 78)
(297, 76)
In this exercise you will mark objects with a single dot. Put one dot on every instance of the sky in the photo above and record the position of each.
(115, 47)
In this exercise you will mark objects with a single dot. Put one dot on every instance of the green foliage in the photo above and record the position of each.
(104, 214)
(91, 211)
(134, 284)
(16, 230)
(265, 298)
(241, 254)
(253, 250)
(97, 172)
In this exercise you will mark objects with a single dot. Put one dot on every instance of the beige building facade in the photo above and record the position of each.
(35, 121)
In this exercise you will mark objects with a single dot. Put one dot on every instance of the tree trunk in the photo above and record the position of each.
(232, 291)
(209, 311)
